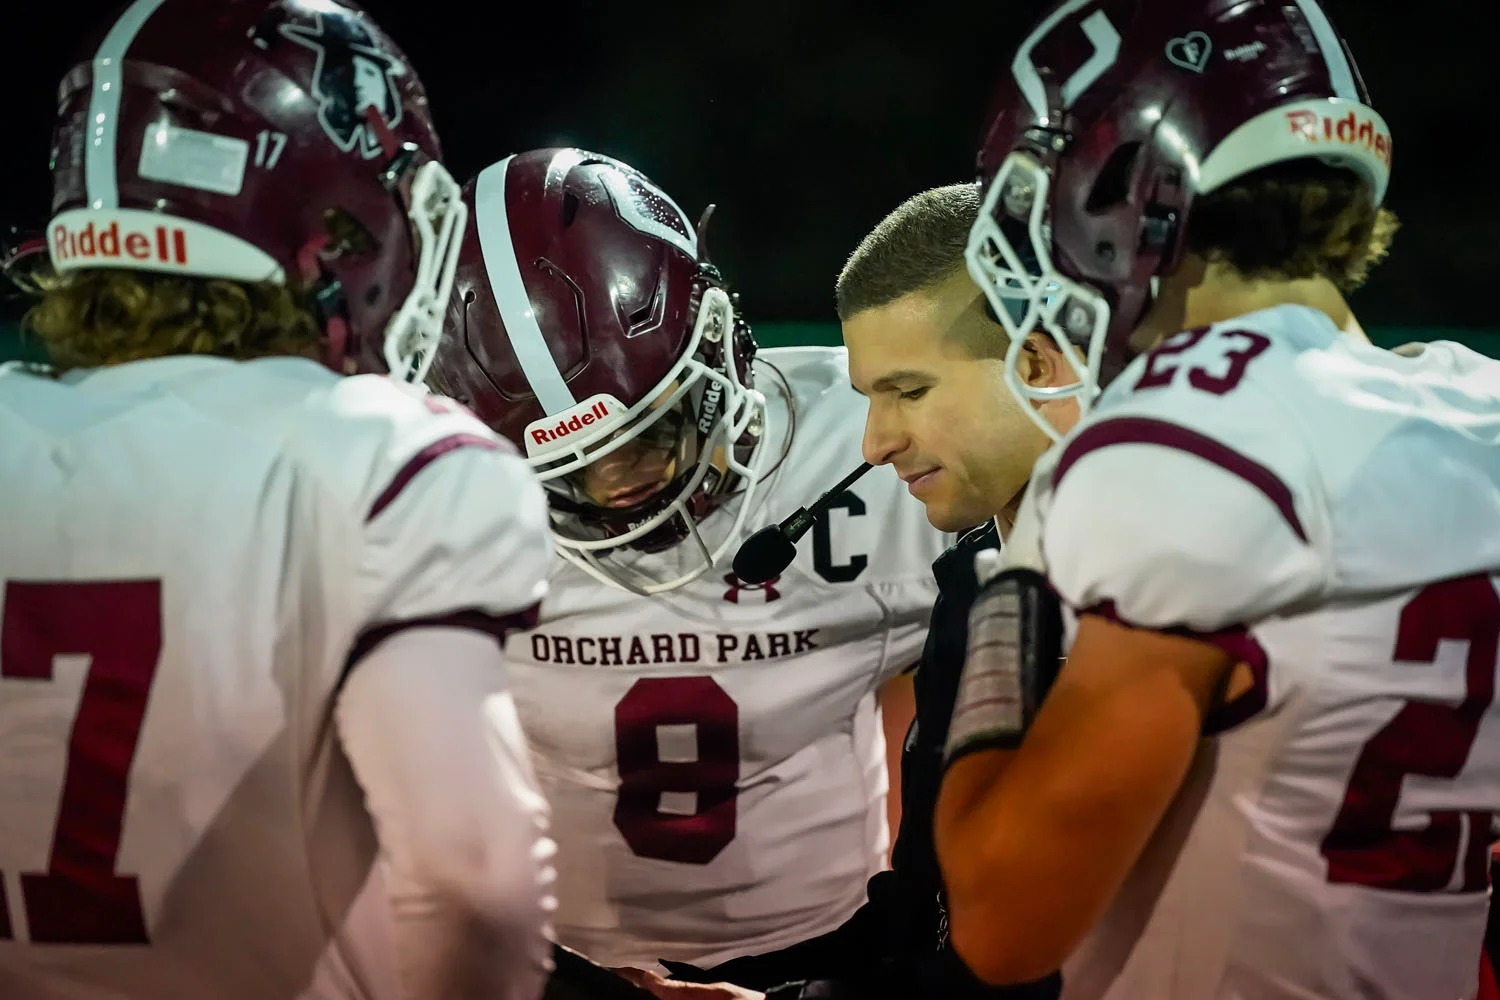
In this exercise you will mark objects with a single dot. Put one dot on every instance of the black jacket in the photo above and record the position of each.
(896, 945)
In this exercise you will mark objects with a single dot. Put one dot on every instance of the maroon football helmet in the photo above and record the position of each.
(1113, 116)
(263, 140)
(585, 316)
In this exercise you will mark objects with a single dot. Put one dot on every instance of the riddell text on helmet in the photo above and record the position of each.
(577, 422)
(163, 244)
(1351, 130)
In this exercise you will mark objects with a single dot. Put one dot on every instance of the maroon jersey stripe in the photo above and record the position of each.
(421, 460)
(1144, 430)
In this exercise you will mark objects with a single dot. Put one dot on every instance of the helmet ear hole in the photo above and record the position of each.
(1112, 186)
(347, 234)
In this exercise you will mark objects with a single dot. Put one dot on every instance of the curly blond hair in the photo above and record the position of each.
(1293, 220)
(100, 317)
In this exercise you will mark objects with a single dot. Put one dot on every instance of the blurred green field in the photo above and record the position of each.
(13, 346)
(1484, 341)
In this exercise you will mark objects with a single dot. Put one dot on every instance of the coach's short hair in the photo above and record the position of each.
(920, 248)
(915, 248)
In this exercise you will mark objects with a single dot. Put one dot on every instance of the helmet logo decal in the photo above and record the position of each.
(650, 211)
(712, 397)
(1099, 31)
(1246, 53)
(738, 587)
(1351, 130)
(556, 431)
(1191, 51)
(352, 73)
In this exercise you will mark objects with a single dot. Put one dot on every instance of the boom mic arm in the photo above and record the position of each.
(769, 551)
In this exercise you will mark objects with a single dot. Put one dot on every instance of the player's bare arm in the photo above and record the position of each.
(1035, 843)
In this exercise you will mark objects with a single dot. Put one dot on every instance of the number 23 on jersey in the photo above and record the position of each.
(1216, 369)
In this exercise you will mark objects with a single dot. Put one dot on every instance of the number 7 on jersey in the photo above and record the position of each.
(117, 625)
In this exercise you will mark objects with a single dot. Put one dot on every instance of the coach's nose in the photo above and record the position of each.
(885, 435)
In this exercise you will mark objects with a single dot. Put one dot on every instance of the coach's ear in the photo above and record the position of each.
(1042, 363)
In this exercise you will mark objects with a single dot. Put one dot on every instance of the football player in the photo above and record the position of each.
(1263, 770)
(255, 734)
(712, 749)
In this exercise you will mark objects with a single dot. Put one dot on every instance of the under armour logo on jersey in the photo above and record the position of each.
(736, 585)
(352, 73)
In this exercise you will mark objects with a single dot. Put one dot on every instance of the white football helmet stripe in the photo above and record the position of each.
(99, 173)
(493, 224)
(1339, 71)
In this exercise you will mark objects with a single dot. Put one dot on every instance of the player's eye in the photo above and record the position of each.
(917, 393)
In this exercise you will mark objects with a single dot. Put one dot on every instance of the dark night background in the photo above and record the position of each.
(807, 121)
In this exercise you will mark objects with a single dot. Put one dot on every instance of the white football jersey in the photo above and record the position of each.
(191, 552)
(1329, 512)
(713, 755)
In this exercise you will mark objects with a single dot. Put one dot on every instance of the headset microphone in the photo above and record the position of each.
(769, 551)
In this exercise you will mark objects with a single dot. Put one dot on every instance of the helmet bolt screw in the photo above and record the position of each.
(1080, 319)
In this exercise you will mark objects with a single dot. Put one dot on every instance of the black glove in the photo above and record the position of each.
(1014, 653)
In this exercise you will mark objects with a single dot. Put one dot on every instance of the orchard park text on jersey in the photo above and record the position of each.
(669, 647)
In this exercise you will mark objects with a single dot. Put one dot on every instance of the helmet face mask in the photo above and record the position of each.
(621, 482)
(1009, 259)
(711, 452)
(434, 204)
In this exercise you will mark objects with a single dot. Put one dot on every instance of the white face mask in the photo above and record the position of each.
(740, 411)
(1027, 299)
(439, 219)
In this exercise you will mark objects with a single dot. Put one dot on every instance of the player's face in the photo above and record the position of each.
(642, 468)
(942, 417)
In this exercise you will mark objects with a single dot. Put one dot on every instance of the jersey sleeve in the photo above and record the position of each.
(469, 886)
(466, 533)
(453, 525)
(1173, 511)
(902, 581)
